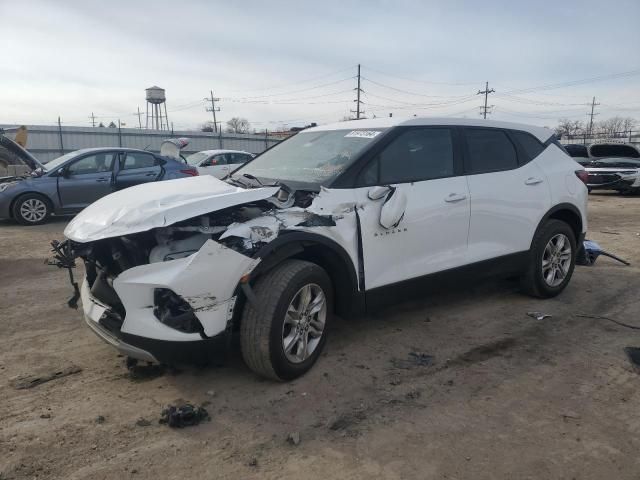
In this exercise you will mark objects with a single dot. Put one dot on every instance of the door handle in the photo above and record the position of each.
(533, 181)
(455, 197)
(102, 180)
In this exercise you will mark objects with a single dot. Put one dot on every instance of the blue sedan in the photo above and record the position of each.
(71, 182)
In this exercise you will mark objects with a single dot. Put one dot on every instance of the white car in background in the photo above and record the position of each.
(218, 163)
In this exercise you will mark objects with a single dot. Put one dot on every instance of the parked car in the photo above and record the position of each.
(71, 182)
(218, 163)
(613, 166)
(340, 219)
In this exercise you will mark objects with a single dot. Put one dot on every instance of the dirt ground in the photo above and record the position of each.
(506, 396)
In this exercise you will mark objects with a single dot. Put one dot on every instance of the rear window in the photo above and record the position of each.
(577, 151)
(489, 150)
(614, 150)
(531, 145)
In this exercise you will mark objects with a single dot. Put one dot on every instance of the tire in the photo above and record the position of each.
(31, 209)
(264, 331)
(535, 281)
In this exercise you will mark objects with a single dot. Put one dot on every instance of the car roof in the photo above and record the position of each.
(543, 134)
(109, 149)
(213, 152)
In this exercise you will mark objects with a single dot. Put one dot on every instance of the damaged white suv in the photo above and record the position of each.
(337, 219)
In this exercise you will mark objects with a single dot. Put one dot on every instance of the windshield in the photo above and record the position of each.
(311, 157)
(56, 162)
(195, 158)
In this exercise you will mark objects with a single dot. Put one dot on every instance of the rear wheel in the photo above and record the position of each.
(31, 209)
(283, 337)
(553, 257)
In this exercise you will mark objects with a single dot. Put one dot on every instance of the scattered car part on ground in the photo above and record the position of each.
(218, 163)
(69, 183)
(30, 381)
(633, 354)
(613, 320)
(184, 415)
(334, 219)
(592, 251)
(538, 315)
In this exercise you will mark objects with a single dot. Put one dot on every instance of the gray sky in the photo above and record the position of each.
(281, 63)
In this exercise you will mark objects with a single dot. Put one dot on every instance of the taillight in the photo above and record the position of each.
(583, 175)
(190, 171)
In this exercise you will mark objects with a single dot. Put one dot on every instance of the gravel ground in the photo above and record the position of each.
(506, 396)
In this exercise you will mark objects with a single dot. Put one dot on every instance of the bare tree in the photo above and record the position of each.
(629, 124)
(568, 127)
(207, 126)
(238, 125)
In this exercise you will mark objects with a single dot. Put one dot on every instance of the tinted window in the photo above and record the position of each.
(489, 150)
(138, 160)
(419, 154)
(100, 162)
(236, 158)
(576, 150)
(531, 145)
(615, 150)
(222, 159)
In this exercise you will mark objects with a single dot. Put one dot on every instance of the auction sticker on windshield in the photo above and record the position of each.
(363, 133)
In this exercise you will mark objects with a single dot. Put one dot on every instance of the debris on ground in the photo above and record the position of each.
(45, 415)
(253, 462)
(591, 252)
(293, 438)
(143, 422)
(143, 373)
(633, 354)
(416, 359)
(185, 415)
(211, 393)
(538, 315)
(29, 381)
(100, 419)
(613, 320)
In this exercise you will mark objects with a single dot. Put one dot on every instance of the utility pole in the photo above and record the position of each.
(139, 118)
(93, 119)
(486, 93)
(213, 109)
(60, 136)
(358, 90)
(591, 115)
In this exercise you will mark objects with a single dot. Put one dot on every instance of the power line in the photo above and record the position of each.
(486, 93)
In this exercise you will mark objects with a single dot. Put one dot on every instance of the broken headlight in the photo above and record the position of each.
(172, 310)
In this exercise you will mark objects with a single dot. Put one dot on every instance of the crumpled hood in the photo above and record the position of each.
(152, 205)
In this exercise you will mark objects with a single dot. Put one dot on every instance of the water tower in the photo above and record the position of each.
(156, 99)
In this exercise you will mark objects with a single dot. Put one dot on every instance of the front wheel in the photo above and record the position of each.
(283, 335)
(31, 209)
(553, 258)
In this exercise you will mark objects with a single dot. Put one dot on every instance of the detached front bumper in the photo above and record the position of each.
(97, 317)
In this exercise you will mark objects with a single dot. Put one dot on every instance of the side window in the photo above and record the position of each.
(219, 160)
(138, 160)
(238, 158)
(417, 154)
(100, 162)
(489, 150)
(531, 145)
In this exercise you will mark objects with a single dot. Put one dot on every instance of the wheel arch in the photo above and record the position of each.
(44, 196)
(565, 212)
(325, 253)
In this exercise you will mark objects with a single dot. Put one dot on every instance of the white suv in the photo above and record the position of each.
(335, 220)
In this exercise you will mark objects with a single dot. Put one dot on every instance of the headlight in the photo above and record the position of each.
(4, 186)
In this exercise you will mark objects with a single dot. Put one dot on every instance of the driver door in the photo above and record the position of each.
(85, 180)
(415, 219)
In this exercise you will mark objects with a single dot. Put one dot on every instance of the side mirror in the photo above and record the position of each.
(393, 206)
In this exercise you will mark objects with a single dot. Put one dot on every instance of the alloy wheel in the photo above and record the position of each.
(33, 210)
(304, 323)
(556, 260)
